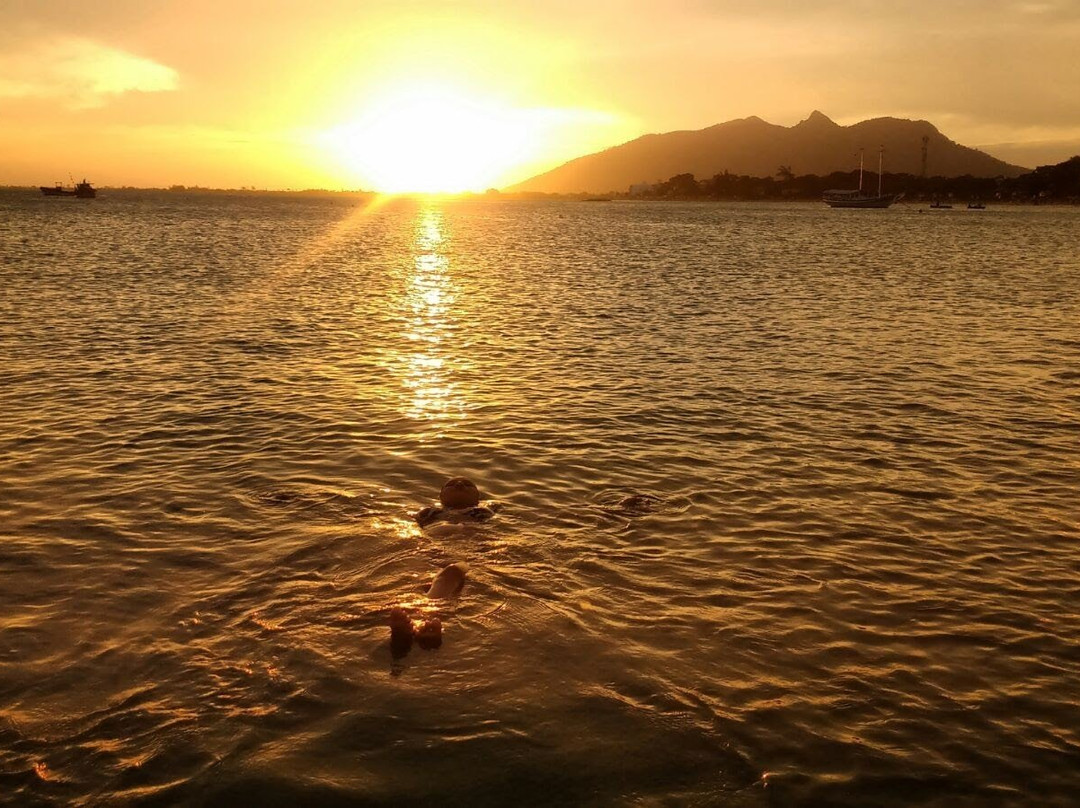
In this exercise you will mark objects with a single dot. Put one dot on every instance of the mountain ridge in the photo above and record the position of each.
(752, 146)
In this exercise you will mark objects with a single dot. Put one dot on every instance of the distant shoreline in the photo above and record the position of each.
(958, 199)
(198, 190)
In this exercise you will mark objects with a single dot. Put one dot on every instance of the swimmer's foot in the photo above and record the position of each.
(429, 634)
(401, 632)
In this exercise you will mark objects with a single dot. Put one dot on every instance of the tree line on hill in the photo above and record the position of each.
(1053, 183)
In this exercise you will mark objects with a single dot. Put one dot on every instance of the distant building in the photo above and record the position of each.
(641, 189)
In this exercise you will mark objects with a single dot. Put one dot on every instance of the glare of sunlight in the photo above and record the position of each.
(404, 529)
(432, 138)
(311, 252)
(427, 372)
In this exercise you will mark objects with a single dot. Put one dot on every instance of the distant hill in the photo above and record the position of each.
(756, 148)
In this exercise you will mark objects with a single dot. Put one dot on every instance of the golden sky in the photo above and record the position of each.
(468, 95)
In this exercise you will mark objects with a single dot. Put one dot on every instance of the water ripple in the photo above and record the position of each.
(787, 503)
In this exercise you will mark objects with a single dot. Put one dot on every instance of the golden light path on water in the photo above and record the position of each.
(422, 299)
(425, 364)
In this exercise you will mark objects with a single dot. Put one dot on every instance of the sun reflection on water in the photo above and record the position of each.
(430, 325)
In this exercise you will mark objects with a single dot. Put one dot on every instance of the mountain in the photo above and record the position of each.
(756, 148)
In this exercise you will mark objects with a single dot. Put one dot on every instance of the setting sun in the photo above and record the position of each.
(432, 138)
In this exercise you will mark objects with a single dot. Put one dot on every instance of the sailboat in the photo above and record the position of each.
(859, 199)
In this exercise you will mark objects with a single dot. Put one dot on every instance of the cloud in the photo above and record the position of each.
(79, 73)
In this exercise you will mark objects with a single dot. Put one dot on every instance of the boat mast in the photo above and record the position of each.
(860, 169)
(880, 158)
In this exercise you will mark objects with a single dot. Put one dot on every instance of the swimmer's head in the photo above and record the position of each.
(459, 492)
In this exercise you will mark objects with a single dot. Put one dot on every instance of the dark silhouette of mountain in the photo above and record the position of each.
(753, 147)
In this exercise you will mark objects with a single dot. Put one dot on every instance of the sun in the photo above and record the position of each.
(433, 138)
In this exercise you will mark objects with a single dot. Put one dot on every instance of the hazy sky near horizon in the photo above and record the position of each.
(337, 93)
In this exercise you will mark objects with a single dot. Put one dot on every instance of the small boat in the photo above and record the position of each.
(859, 199)
(976, 205)
(82, 190)
(936, 205)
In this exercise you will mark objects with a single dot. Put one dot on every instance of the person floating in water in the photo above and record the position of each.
(459, 502)
(459, 505)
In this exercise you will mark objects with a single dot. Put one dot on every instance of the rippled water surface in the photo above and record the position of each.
(851, 575)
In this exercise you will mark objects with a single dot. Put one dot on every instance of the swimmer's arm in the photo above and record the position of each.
(426, 516)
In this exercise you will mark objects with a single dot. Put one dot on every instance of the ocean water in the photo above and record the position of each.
(851, 576)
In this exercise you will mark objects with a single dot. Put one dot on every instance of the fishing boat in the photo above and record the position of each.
(82, 190)
(858, 198)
